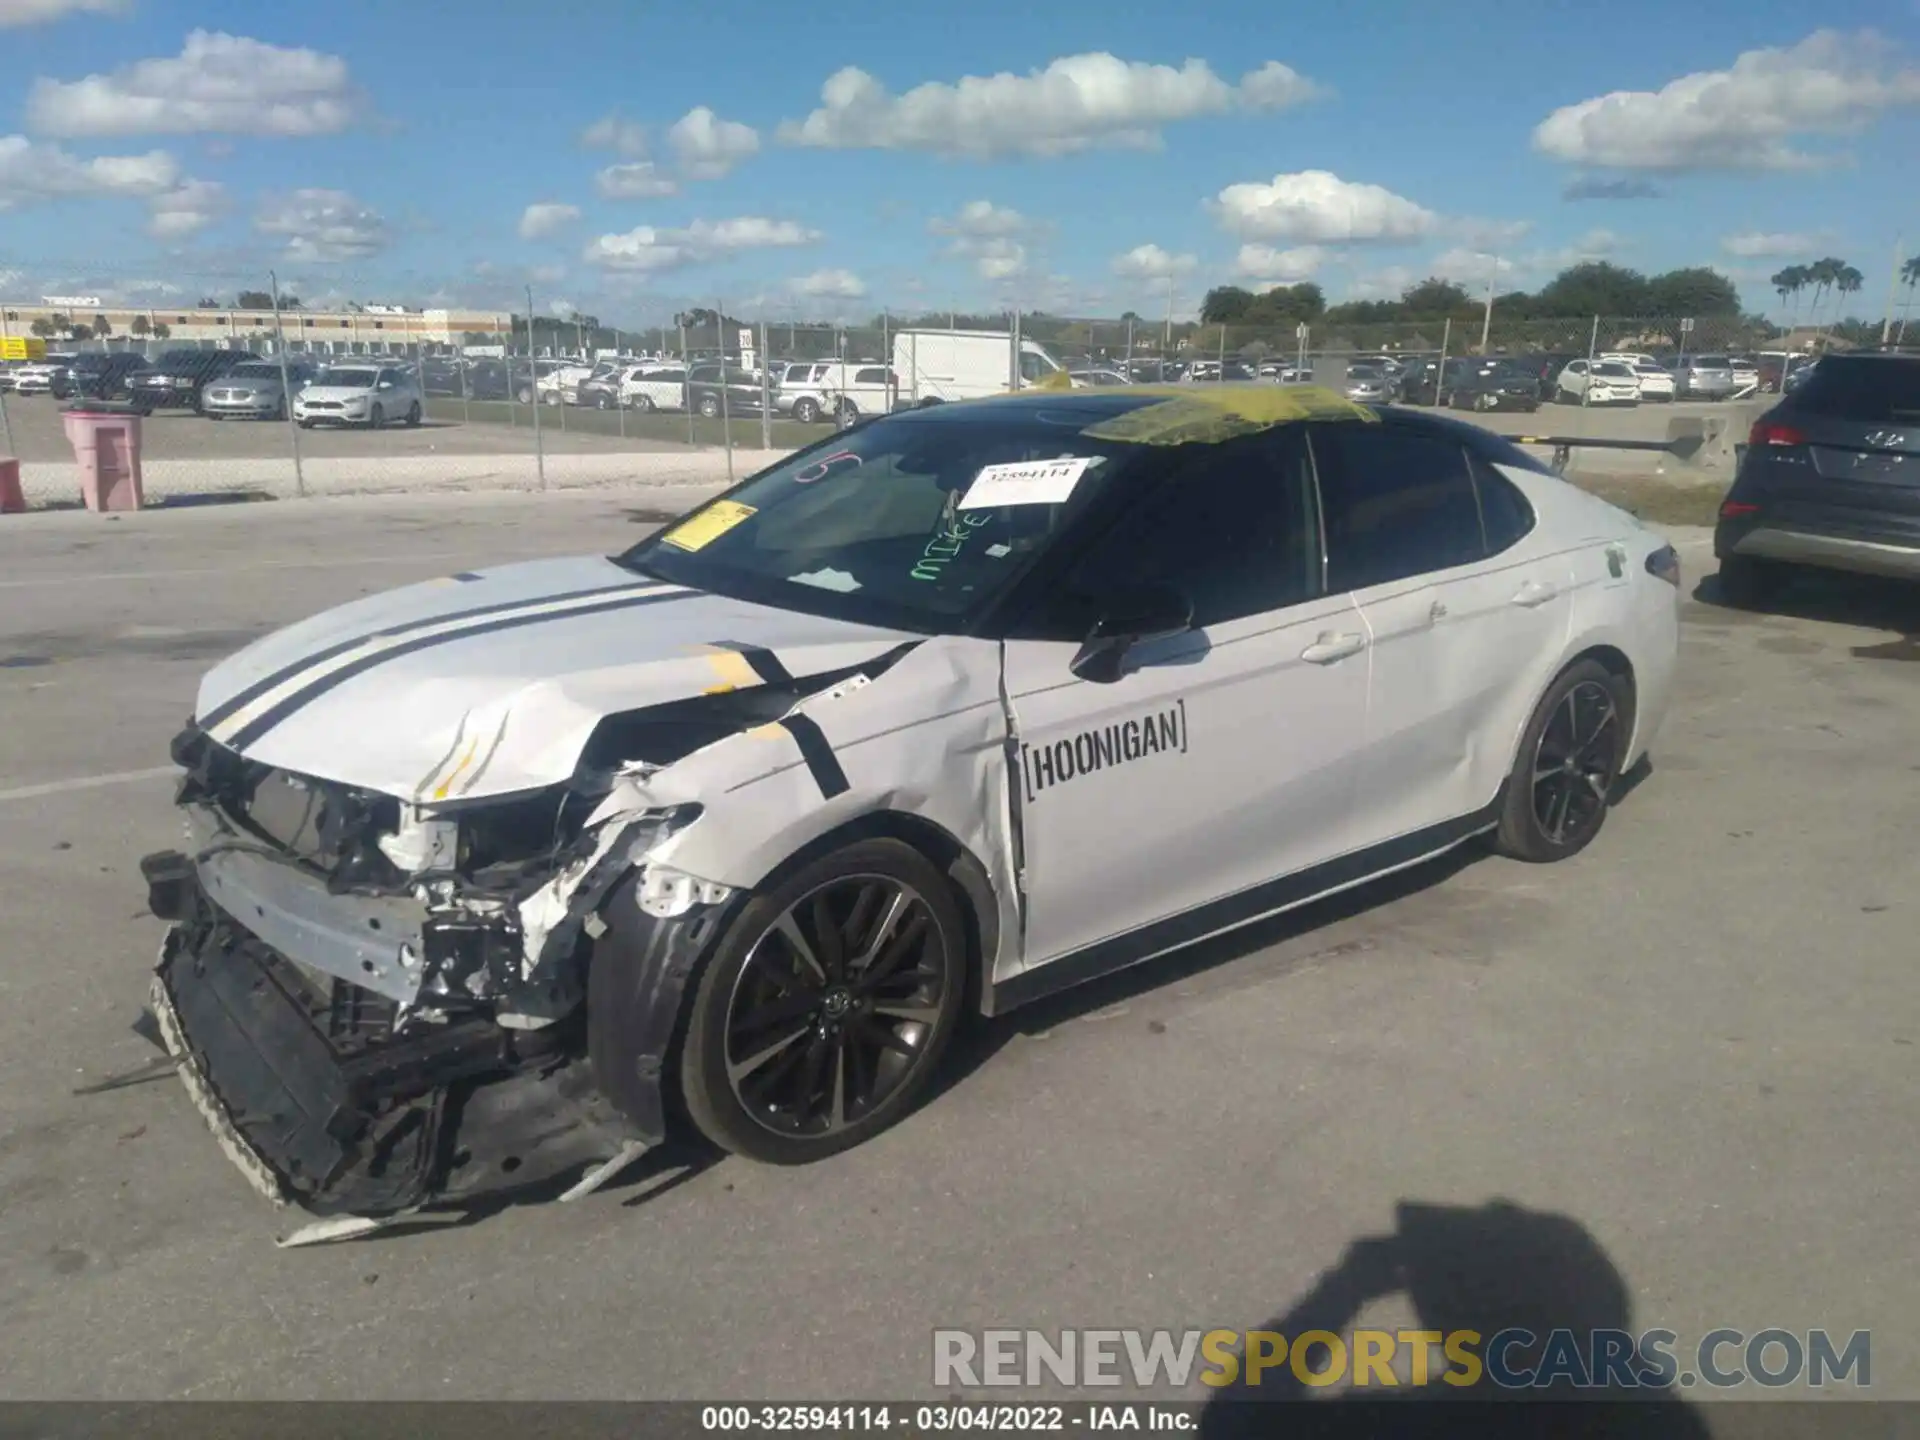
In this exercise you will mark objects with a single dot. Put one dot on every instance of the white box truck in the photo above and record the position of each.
(964, 364)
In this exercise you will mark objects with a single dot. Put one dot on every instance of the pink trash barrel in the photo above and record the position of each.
(107, 447)
(12, 500)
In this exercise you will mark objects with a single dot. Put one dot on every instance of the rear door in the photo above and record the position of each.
(1465, 612)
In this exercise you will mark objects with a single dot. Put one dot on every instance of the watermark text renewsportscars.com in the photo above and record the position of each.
(1508, 1359)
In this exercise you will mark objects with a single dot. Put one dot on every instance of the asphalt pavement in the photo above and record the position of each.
(1696, 1043)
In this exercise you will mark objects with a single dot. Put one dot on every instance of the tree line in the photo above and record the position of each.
(1596, 287)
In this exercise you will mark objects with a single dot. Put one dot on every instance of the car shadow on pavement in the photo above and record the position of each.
(1487, 1269)
(1830, 597)
(980, 1040)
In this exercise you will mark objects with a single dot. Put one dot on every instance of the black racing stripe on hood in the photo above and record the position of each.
(762, 661)
(301, 698)
(227, 708)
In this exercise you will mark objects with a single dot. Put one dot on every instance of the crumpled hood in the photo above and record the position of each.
(492, 681)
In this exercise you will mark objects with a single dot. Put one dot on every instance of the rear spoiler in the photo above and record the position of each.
(1685, 446)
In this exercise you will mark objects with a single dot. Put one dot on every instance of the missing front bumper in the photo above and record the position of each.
(322, 1107)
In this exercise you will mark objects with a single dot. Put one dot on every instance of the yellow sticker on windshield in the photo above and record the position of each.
(702, 529)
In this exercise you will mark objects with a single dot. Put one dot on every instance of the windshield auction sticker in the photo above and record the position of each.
(698, 531)
(1031, 482)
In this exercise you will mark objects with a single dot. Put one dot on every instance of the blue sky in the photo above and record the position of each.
(1077, 156)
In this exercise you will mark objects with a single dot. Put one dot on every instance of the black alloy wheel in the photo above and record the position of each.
(827, 1007)
(1574, 763)
(1569, 762)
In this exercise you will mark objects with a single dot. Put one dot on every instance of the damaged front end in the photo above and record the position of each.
(378, 1004)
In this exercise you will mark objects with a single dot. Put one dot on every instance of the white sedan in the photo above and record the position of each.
(1600, 382)
(1656, 381)
(748, 815)
(365, 395)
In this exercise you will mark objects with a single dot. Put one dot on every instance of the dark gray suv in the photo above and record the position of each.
(1831, 479)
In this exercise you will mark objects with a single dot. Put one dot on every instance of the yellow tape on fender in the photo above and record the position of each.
(1206, 415)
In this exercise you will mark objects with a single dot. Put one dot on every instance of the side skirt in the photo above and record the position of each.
(1230, 912)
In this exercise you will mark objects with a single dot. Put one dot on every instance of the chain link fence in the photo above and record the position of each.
(447, 398)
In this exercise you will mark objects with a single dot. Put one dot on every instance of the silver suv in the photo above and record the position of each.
(1704, 377)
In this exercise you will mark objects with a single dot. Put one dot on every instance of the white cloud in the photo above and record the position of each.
(1470, 267)
(610, 132)
(1595, 187)
(545, 218)
(186, 210)
(1289, 267)
(1482, 234)
(40, 12)
(707, 147)
(1076, 103)
(1150, 262)
(980, 219)
(650, 248)
(32, 173)
(999, 258)
(830, 284)
(218, 83)
(564, 309)
(1745, 117)
(324, 225)
(1389, 282)
(1316, 205)
(635, 180)
(1754, 244)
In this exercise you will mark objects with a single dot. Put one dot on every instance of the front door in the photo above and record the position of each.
(1153, 808)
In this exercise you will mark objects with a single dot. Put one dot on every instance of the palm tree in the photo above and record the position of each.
(1789, 283)
(1910, 276)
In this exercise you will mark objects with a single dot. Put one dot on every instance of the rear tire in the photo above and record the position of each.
(806, 411)
(1750, 584)
(413, 416)
(833, 1084)
(1567, 766)
(709, 407)
(643, 404)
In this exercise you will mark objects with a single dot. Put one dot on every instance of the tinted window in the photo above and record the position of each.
(1505, 514)
(872, 376)
(1864, 389)
(1234, 531)
(1712, 362)
(1398, 503)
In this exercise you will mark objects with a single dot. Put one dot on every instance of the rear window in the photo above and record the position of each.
(1713, 362)
(1868, 390)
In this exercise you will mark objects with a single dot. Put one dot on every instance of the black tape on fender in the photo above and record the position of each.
(818, 753)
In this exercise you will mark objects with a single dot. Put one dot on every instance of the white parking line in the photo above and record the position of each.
(85, 782)
(407, 556)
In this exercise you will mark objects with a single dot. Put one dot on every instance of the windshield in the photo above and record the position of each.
(1612, 369)
(887, 525)
(1712, 362)
(259, 370)
(347, 379)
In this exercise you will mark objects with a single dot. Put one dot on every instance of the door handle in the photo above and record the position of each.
(1535, 592)
(1331, 647)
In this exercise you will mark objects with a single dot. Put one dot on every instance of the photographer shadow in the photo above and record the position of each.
(1486, 1269)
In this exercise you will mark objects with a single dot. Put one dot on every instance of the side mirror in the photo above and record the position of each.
(1131, 617)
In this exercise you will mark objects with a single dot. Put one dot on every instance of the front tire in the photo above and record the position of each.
(826, 1007)
(709, 407)
(377, 419)
(643, 404)
(1569, 761)
(413, 416)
